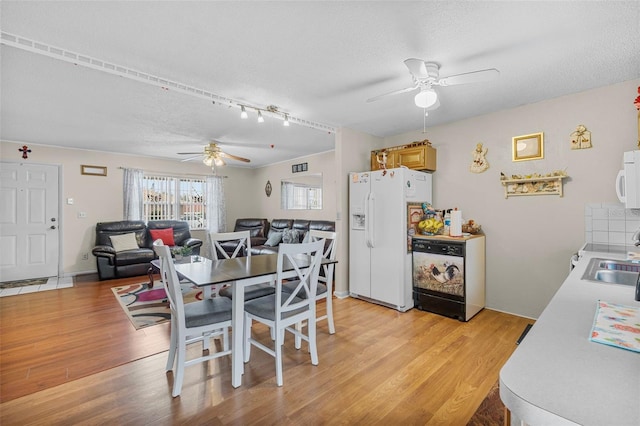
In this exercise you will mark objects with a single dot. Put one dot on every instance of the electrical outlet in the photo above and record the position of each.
(85, 256)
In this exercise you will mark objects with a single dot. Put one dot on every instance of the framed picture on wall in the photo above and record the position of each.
(528, 147)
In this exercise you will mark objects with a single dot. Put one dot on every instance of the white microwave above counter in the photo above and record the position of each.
(628, 180)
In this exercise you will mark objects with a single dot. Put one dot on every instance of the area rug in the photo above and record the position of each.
(23, 283)
(149, 306)
(491, 409)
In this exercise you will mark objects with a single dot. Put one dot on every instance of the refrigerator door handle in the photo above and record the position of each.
(369, 221)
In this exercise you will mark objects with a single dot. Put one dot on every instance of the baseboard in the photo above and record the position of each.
(341, 294)
(511, 313)
(75, 274)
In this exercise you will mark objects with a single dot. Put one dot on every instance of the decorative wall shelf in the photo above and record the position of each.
(551, 185)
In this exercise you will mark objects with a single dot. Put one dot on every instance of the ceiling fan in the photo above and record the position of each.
(427, 74)
(213, 156)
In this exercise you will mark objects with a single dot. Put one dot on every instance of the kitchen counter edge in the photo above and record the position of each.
(558, 376)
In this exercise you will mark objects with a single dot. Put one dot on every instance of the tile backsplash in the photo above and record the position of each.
(610, 223)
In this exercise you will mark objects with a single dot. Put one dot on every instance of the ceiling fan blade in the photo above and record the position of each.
(395, 92)
(189, 153)
(470, 77)
(417, 67)
(191, 158)
(234, 157)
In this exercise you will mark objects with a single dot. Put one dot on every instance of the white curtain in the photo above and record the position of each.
(287, 200)
(132, 191)
(216, 205)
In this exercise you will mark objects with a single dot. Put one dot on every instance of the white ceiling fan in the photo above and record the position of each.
(427, 74)
(213, 155)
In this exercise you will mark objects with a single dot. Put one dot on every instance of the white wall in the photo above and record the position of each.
(530, 239)
(270, 208)
(101, 197)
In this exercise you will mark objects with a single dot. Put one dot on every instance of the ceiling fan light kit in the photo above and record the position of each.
(213, 156)
(426, 98)
(427, 74)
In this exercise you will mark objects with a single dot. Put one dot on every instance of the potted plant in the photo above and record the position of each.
(180, 252)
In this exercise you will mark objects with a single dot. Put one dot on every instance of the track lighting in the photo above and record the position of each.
(286, 120)
(260, 118)
(243, 113)
(426, 98)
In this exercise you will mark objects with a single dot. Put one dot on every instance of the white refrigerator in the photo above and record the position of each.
(379, 261)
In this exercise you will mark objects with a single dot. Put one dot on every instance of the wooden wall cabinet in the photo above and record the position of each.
(416, 157)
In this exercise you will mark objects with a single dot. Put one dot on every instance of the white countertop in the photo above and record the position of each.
(557, 376)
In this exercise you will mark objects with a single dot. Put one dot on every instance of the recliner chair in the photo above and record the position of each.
(130, 263)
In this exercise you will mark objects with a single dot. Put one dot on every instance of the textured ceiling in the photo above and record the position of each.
(318, 61)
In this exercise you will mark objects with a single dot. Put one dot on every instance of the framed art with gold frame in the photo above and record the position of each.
(528, 147)
(93, 170)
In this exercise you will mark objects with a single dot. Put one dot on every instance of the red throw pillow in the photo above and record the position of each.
(166, 235)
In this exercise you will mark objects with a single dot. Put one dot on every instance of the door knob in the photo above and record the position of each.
(52, 227)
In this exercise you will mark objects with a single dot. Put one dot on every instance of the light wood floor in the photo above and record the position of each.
(71, 356)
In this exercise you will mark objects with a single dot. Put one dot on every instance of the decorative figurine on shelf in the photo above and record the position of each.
(581, 138)
(480, 163)
(382, 162)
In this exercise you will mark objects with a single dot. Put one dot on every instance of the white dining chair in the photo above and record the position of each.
(239, 241)
(280, 311)
(242, 241)
(325, 281)
(191, 323)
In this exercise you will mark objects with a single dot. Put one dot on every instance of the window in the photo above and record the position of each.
(296, 196)
(173, 198)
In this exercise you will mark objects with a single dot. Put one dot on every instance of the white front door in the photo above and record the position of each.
(29, 223)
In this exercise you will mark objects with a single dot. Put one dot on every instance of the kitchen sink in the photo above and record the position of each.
(612, 271)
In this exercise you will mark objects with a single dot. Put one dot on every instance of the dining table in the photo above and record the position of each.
(238, 273)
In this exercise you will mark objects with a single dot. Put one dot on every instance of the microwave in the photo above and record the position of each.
(628, 180)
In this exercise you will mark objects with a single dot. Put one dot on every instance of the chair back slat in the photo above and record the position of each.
(242, 241)
(329, 251)
(170, 280)
(307, 277)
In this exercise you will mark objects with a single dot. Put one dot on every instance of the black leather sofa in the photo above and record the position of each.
(262, 229)
(129, 263)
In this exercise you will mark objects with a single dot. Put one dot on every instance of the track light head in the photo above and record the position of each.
(243, 113)
(286, 120)
(260, 117)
